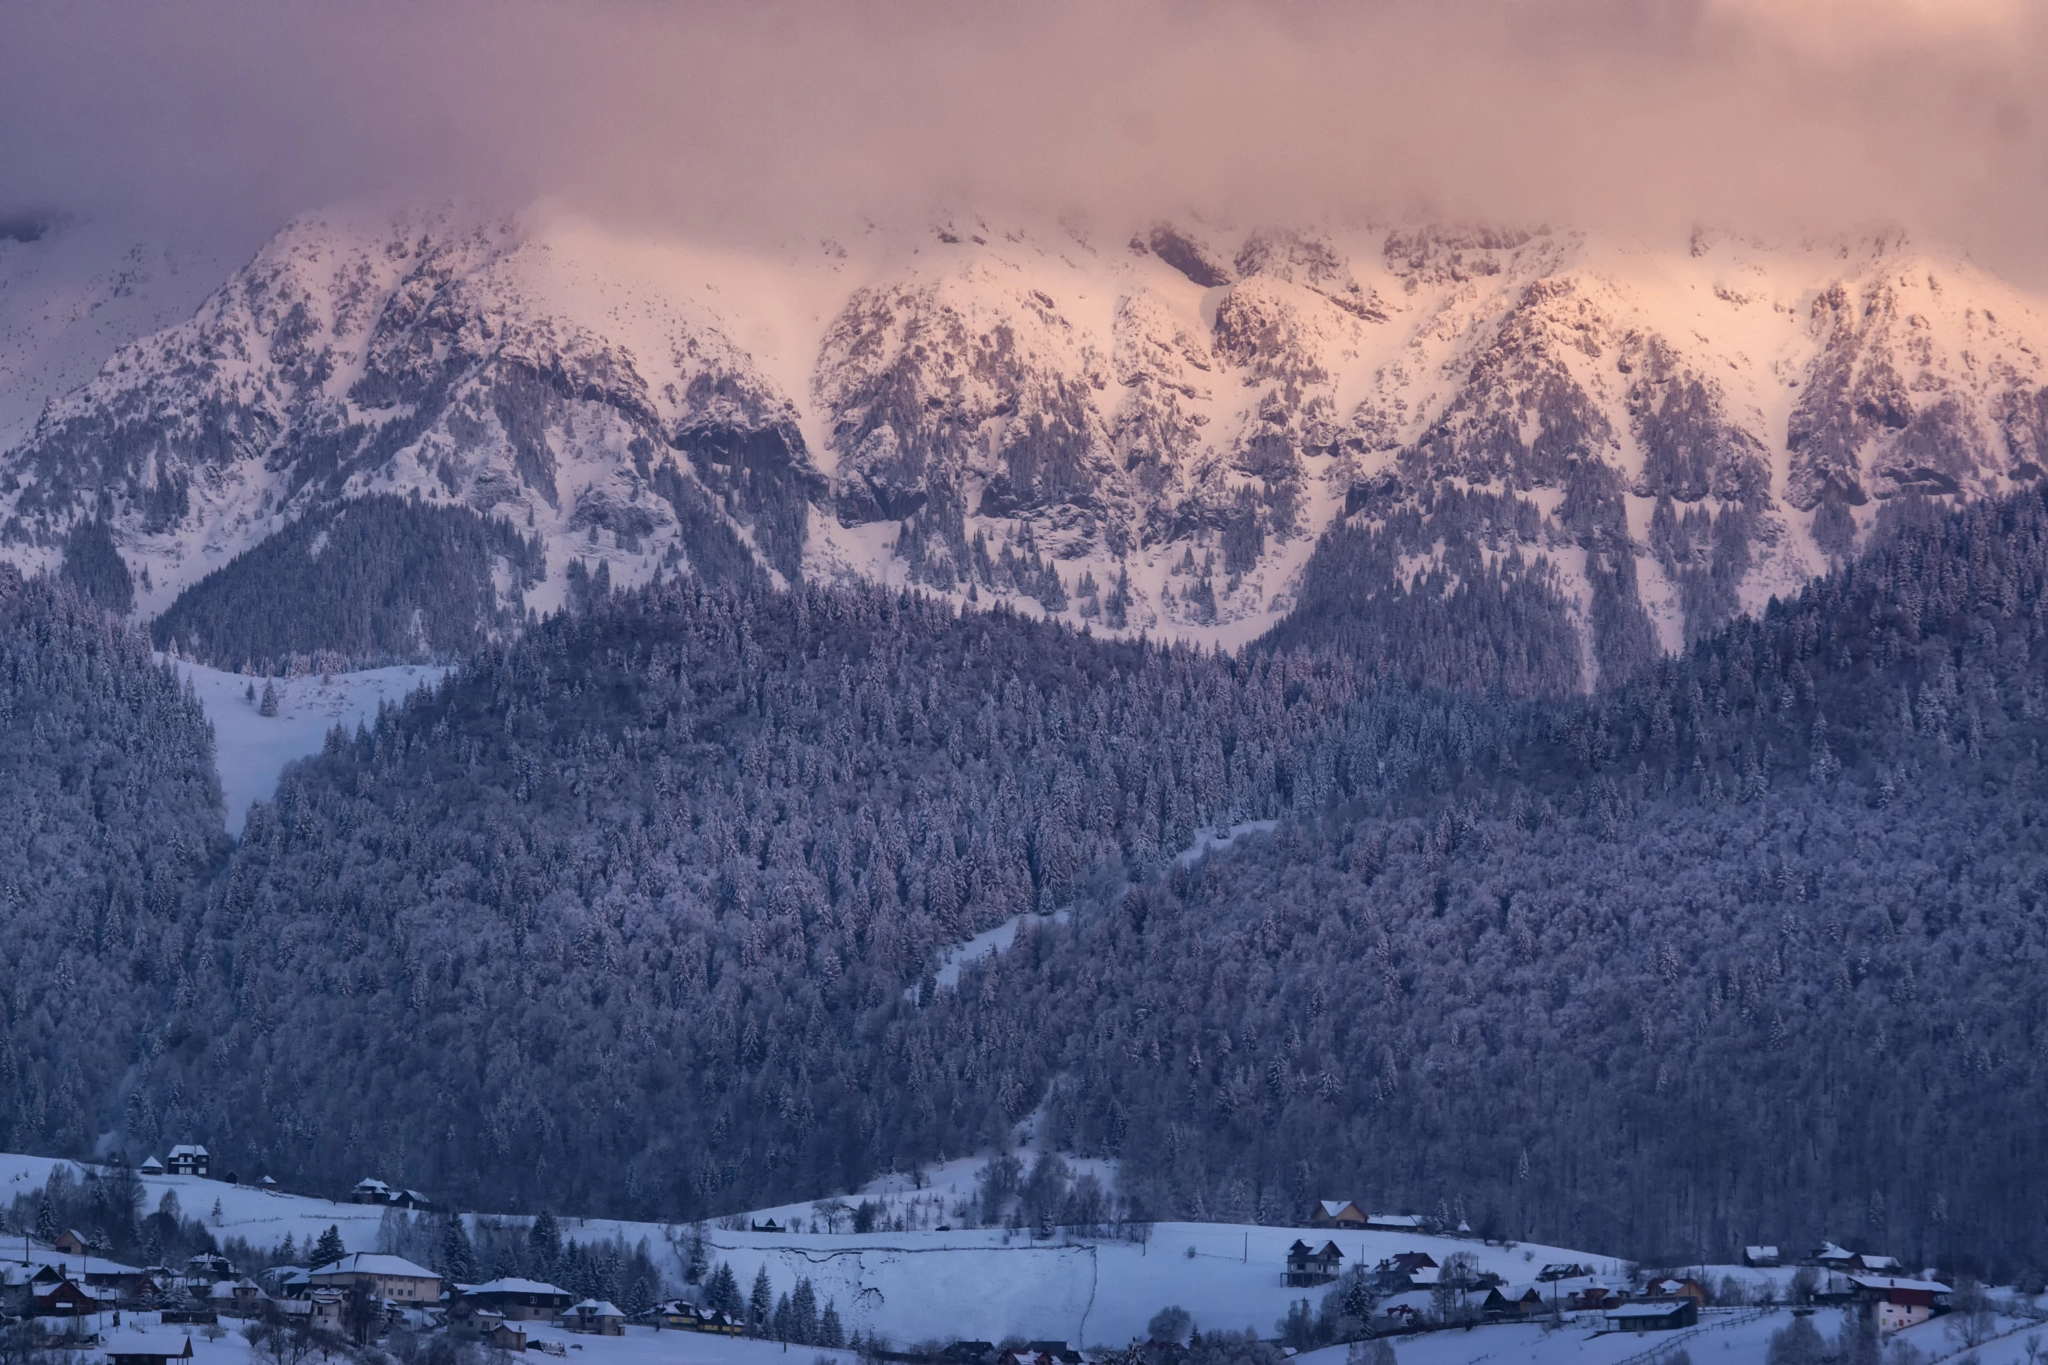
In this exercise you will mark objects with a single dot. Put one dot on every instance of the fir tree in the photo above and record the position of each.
(803, 1313)
(724, 1292)
(329, 1248)
(544, 1246)
(458, 1257)
(760, 1303)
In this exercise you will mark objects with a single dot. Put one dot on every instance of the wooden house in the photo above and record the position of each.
(1512, 1301)
(1336, 1213)
(1686, 1288)
(147, 1348)
(64, 1297)
(518, 1300)
(1661, 1315)
(70, 1243)
(189, 1158)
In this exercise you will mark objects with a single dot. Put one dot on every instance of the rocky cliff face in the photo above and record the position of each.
(411, 354)
(1147, 431)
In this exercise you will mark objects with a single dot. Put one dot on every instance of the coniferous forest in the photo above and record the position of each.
(640, 913)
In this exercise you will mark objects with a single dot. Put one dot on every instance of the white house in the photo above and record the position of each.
(383, 1277)
(1900, 1302)
(595, 1315)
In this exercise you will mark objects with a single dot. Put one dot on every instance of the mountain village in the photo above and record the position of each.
(1405, 1279)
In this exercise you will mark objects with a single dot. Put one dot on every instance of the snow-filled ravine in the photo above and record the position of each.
(252, 749)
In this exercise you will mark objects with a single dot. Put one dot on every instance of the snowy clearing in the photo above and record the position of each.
(252, 749)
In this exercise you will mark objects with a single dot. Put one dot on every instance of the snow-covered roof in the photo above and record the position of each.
(73, 1263)
(167, 1344)
(371, 1183)
(596, 1308)
(1882, 1282)
(1871, 1262)
(1333, 1207)
(1646, 1310)
(1395, 1220)
(1761, 1253)
(188, 1149)
(374, 1263)
(1830, 1252)
(152, 1166)
(512, 1284)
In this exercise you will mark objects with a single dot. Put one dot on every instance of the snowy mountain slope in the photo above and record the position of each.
(73, 291)
(1144, 432)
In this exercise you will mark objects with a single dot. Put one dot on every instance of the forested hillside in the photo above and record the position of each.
(1749, 949)
(639, 914)
(623, 916)
(376, 581)
(110, 817)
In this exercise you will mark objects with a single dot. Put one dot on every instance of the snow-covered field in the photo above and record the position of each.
(252, 749)
(639, 1346)
(915, 1286)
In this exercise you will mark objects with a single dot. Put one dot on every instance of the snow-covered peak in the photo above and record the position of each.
(1179, 410)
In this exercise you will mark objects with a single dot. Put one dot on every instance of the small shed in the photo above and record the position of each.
(150, 1166)
(1760, 1257)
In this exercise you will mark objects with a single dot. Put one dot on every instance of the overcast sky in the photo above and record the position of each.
(1632, 115)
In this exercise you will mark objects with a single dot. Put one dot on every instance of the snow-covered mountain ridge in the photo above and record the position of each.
(1144, 431)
